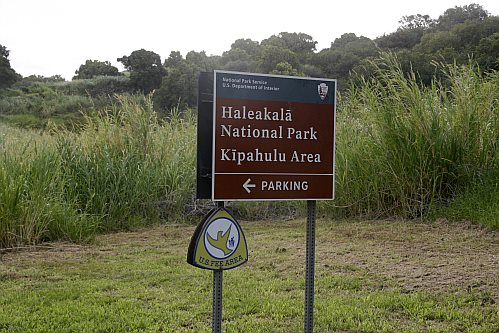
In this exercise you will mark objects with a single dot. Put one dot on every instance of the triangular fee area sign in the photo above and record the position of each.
(218, 242)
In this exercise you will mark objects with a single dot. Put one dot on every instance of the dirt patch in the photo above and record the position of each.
(418, 256)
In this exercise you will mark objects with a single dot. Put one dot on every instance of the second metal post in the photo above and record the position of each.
(310, 268)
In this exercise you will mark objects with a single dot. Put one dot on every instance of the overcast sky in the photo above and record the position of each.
(48, 37)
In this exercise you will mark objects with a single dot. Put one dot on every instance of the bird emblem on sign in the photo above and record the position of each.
(221, 241)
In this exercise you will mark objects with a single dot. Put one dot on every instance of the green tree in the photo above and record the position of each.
(462, 42)
(345, 40)
(271, 55)
(174, 60)
(241, 66)
(299, 43)
(93, 68)
(409, 33)
(241, 57)
(435, 41)
(417, 21)
(201, 61)
(235, 55)
(7, 75)
(344, 54)
(179, 87)
(488, 52)
(471, 33)
(311, 70)
(400, 39)
(146, 71)
(249, 46)
(456, 15)
(361, 46)
(284, 68)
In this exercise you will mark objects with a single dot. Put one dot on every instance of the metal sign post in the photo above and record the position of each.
(217, 301)
(310, 268)
(217, 294)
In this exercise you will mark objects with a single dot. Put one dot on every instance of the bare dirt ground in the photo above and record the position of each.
(411, 255)
(418, 256)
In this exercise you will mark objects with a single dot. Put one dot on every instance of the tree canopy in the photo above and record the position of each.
(461, 14)
(7, 75)
(460, 34)
(146, 70)
(93, 68)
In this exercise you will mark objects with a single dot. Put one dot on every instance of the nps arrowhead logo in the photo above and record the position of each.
(322, 90)
(218, 242)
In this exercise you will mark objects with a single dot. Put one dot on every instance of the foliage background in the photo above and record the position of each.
(418, 131)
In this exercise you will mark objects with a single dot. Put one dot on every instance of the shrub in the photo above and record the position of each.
(97, 86)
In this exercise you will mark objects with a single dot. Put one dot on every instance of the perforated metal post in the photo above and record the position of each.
(217, 301)
(217, 295)
(310, 269)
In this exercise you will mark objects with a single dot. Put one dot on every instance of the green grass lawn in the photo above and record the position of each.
(386, 276)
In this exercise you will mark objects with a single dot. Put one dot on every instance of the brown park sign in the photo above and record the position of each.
(273, 137)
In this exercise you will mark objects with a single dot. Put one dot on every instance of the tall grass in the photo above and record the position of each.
(33, 207)
(125, 167)
(404, 148)
(125, 164)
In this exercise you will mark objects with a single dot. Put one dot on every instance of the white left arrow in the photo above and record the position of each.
(248, 186)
